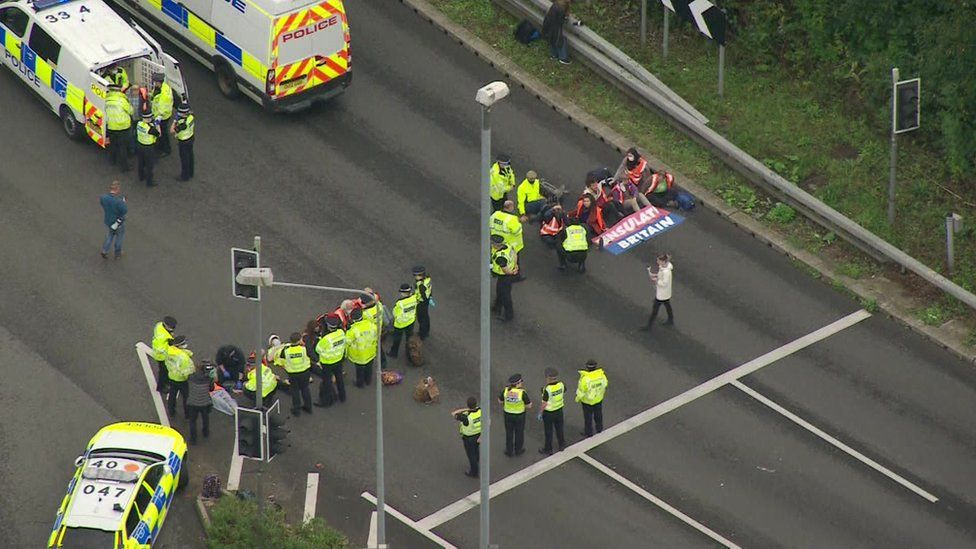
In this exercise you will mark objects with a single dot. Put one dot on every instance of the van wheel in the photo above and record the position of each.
(71, 126)
(226, 79)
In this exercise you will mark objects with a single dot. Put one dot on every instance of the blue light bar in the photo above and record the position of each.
(45, 4)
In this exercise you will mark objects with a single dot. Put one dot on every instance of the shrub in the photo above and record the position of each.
(782, 214)
(236, 524)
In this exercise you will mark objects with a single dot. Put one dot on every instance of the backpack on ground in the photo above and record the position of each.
(685, 200)
(415, 350)
(211, 487)
(526, 33)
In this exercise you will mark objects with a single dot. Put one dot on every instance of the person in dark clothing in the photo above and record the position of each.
(115, 209)
(183, 128)
(425, 298)
(552, 30)
(313, 331)
(551, 414)
(553, 221)
(515, 400)
(198, 402)
(230, 362)
(573, 245)
(470, 427)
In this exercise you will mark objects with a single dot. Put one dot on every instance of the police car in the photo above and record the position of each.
(122, 488)
(65, 50)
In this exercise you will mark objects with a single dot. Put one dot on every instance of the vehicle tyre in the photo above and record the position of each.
(184, 472)
(226, 78)
(72, 127)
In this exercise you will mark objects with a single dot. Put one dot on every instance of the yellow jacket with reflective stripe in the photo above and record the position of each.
(424, 290)
(500, 182)
(509, 227)
(474, 424)
(179, 363)
(118, 111)
(592, 386)
(514, 402)
(405, 311)
(160, 341)
(369, 313)
(294, 359)
(361, 342)
(331, 347)
(510, 256)
(528, 191)
(142, 134)
(268, 380)
(162, 102)
(187, 131)
(575, 239)
(556, 393)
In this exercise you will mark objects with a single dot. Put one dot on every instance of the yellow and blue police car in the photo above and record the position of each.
(123, 487)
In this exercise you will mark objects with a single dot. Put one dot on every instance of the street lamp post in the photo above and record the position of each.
(264, 277)
(486, 96)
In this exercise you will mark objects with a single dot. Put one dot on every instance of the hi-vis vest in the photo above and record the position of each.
(556, 393)
(512, 260)
(552, 227)
(656, 186)
(295, 359)
(424, 283)
(179, 364)
(474, 424)
(160, 341)
(331, 347)
(187, 131)
(142, 134)
(500, 182)
(575, 239)
(268, 381)
(637, 172)
(405, 311)
(361, 341)
(162, 102)
(118, 111)
(592, 386)
(514, 404)
(509, 227)
(370, 313)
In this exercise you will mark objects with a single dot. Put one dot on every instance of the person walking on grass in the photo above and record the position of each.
(662, 280)
(115, 209)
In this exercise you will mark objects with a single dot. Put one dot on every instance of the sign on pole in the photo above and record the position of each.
(710, 20)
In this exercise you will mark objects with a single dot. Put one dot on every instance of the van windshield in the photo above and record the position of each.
(86, 538)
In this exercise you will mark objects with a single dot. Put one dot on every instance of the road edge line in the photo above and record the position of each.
(311, 496)
(410, 522)
(143, 351)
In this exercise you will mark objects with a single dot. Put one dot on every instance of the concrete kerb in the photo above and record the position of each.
(895, 309)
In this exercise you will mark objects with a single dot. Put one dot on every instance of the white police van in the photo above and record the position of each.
(65, 49)
(284, 54)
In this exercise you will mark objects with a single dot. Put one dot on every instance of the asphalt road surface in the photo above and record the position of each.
(356, 192)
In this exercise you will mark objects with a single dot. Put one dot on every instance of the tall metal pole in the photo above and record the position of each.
(380, 474)
(950, 226)
(259, 394)
(666, 16)
(644, 22)
(894, 152)
(485, 397)
(721, 70)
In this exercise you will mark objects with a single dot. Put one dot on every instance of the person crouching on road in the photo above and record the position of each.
(589, 393)
(183, 128)
(425, 299)
(294, 359)
(198, 402)
(179, 366)
(551, 414)
(331, 349)
(531, 201)
(553, 221)
(573, 245)
(147, 133)
(269, 382)
(515, 400)
(469, 420)
(404, 317)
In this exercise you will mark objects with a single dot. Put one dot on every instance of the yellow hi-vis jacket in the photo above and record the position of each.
(268, 381)
(361, 342)
(294, 359)
(528, 191)
(575, 239)
(160, 341)
(474, 424)
(405, 311)
(500, 182)
(592, 386)
(509, 227)
(179, 363)
(331, 347)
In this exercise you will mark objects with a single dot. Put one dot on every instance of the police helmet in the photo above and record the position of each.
(405, 288)
(158, 77)
(147, 115)
(332, 322)
(419, 270)
(183, 109)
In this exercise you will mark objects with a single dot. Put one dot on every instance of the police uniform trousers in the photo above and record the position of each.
(364, 374)
(423, 318)
(592, 413)
(186, 159)
(398, 335)
(577, 257)
(163, 142)
(147, 163)
(503, 296)
(327, 391)
(175, 388)
(162, 376)
(514, 433)
(553, 421)
(471, 450)
(301, 396)
(118, 148)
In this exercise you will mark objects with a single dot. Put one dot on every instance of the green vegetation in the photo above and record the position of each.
(236, 524)
(870, 305)
(781, 213)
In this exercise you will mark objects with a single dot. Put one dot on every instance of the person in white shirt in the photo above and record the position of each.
(662, 280)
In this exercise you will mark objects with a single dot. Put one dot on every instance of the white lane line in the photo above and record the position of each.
(144, 352)
(658, 501)
(371, 540)
(520, 477)
(411, 523)
(236, 466)
(311, 496)
(836, 443)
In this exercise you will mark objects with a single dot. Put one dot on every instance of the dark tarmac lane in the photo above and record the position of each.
(356, 192)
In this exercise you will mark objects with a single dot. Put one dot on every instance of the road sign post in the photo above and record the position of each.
(667, 15)
(643, 23)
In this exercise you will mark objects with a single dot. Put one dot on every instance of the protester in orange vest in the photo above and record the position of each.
(588, 212)
(635, 169)
(553, 221)
(661, 190)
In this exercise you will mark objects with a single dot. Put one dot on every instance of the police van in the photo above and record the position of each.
(65, 51)
(284, 54)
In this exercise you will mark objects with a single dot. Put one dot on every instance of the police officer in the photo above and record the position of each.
(361, 342)
(372, 308)
(504, 267)
(515, 400)
(573, 245)
(162, 336)
(147, 132)
(469, 420)
(331, 349)
(551, 414)
(425, 298)
(501, 179)
(183, 128)
(269, 382)
(179, 367)
(118, 114)
(121, 77)
(590, 390)
(504, 222)
(294, 359)
(404, 317)
(162, 109)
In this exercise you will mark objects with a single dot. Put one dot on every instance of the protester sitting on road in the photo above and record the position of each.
(588, 213)
(198, 402)
(552, 222)
(661, 191)
(597, 187)
(531, 201)
(629, 196)
(635, 169)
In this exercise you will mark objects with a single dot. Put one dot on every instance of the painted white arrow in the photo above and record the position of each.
(667, 4)
(698, 7)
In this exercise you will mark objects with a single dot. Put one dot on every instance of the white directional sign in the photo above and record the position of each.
(709, 19)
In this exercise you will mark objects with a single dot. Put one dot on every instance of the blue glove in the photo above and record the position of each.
(432, 302)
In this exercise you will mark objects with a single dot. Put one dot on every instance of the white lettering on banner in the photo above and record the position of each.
(311, 29)
(645, 234)
(629, 223)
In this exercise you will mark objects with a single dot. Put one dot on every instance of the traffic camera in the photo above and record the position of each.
(244, 259)
(249, 441)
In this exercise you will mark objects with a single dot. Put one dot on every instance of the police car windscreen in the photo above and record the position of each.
(85, 538)
(323, 38)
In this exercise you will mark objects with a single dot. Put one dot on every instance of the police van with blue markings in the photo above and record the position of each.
(65, 50)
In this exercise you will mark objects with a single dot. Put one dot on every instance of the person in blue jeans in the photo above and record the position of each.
(552, 30)
(115, 208)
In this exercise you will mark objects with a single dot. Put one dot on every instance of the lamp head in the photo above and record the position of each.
(492, 93)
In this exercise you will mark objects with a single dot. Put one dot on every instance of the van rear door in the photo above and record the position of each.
(94, 106)
(170, 66)
(310, 47)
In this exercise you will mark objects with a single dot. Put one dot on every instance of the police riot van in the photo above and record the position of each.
(65, 51)
(284, 54)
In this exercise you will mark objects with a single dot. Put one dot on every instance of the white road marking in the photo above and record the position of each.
(236, 466)
(371, 540)
(575, 450)
(836, 443)
(144, 352)
(311, 496)
(658, 501)
(411, 523)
